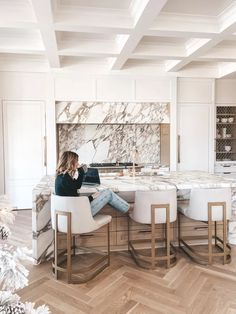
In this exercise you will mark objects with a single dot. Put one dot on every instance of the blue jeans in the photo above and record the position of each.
(109, 197)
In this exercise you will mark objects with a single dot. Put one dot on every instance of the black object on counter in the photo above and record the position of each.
(112, 164)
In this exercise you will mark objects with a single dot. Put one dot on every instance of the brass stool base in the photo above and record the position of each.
(152, 259)
(146, 260)
(85, 273)
(200, 257)
(220, 248)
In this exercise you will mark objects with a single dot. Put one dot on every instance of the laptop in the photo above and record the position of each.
(91, 177)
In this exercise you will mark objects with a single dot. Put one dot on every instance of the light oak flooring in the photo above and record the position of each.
(125, 288)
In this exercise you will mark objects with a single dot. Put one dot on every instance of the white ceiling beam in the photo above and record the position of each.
(44, 15)
(227, 26)
(226, 69)
(145, 15)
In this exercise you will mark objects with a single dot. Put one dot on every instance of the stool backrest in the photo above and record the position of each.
(81, 217)
(144, 200)
(199, 199)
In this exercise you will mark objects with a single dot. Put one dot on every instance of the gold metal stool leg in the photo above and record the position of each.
(150, 261)
(209, 233)
(221, 248)
(168, 235)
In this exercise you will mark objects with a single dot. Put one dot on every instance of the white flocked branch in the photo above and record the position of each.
(13, 274)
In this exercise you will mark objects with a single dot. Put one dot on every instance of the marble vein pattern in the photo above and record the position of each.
(111, 142)
(42, 233)
(182, 181)
(112, 112)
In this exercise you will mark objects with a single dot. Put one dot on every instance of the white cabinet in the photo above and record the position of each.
(194, 137)
(24, 144)
(226, 169)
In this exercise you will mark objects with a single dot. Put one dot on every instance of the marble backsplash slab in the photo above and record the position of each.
(112, 112)
(96, 143)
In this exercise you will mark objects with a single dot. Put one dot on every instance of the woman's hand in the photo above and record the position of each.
(85, 168)
(95, 195)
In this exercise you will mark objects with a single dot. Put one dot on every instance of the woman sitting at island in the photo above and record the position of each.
(69, 178)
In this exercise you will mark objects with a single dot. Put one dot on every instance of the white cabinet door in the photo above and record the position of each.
(194, 125)
(24, 135)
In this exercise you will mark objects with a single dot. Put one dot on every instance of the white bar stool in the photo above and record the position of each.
(72, 215)
(154, 207)
(207, 205)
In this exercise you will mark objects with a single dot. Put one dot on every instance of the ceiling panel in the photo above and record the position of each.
(176, 36)
(197, 7)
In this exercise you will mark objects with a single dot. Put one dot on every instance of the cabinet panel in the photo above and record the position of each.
(153, 89)
(122, 236)
(74, 88)
(111, 89)
(195, 90)
(24, 149)
(194, 137)
(93, 239)
(225, 91)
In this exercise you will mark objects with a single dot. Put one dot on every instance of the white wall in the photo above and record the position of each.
(112, 88)
(50, 87)
(1, 152)
(225, 91)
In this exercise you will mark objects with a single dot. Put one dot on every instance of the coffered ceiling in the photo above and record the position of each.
(169, 36)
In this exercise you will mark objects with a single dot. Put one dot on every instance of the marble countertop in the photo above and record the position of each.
(183, 181)
(168, 180)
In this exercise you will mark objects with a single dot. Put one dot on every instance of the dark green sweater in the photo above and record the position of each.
(65, 185)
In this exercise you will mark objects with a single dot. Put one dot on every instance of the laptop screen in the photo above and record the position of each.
(91, 177)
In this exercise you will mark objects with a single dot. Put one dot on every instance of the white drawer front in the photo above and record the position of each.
(225, 168)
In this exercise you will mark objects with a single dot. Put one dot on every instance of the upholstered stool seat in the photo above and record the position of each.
(210, 206)
(72, 216)
(152, 208)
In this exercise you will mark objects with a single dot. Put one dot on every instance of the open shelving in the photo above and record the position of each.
(225, 133)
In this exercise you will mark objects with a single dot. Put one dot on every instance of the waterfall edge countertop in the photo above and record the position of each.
(182, 181)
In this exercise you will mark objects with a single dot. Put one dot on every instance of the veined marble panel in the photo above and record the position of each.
(112, 112)
(111, 142)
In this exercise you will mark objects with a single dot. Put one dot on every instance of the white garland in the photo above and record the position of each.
(13, 274)
(6, 214)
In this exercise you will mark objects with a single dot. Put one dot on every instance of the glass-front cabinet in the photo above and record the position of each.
(225, 140)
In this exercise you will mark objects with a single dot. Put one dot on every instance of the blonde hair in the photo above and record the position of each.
(66, 163)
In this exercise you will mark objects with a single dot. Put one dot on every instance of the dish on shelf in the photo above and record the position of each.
(228, 148)
(231, 120)
(217, 120)
(224, 120)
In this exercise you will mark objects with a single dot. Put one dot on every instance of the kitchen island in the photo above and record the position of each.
(125, 187)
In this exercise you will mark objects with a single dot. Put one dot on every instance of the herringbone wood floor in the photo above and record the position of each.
(125, 288)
